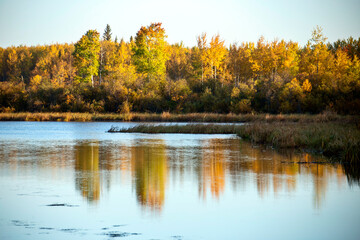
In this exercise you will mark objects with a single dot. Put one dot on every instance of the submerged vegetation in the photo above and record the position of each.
(336, 140)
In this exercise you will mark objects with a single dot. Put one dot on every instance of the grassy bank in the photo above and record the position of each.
(168, 117)
(330, 134)
(335, 140)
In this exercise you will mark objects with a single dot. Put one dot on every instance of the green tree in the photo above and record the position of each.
(86, 56)
(149, 51)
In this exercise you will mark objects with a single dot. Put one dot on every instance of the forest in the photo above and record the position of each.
(100, 74)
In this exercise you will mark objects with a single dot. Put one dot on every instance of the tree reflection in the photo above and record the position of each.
(87, 170)
(271, 170)
(149, 169)
(214, 161)
(213, 169)
(213, 165)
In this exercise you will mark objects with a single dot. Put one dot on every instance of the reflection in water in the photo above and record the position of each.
(213, 169)
(352, 172)
(147, 165)
(240, 164)
(87, 170)
(213, 165)
(149, 172)
(275, 172)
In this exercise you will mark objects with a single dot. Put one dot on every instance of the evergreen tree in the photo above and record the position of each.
(107, 33)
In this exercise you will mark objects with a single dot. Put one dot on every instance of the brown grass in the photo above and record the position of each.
(337, 141)
(189, 117)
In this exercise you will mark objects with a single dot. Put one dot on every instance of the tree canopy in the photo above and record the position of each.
(86, 56)
(146, 74)
(149, 50)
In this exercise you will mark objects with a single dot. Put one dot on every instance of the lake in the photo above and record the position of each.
(61, 180)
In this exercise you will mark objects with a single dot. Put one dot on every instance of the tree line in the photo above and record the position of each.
(147, 74)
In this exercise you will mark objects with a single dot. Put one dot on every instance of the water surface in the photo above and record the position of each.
(75, 181)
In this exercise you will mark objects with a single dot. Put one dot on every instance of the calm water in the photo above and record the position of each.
(75, 181)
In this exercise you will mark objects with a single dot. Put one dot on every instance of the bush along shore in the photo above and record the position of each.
(172, 117)
(335, 140)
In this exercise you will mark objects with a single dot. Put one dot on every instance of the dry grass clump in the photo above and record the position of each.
(189, 128)
(334, 140)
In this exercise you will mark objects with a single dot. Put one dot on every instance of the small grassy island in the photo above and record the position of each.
(335, 136)
(331, 135)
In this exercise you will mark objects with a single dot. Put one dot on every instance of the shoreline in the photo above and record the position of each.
(185, 117)
(335, 136)
(337, 141)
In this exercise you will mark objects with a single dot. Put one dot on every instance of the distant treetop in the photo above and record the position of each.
(107, 33)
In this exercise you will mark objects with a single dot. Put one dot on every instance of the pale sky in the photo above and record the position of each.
(34, 22)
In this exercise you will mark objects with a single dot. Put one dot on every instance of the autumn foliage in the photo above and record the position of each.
(146, 74)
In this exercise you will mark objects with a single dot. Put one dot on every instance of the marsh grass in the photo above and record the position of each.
(65, 117)
(333, 135)
(338, 141)
(189, 117)
(189, 128)
(334, 140)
